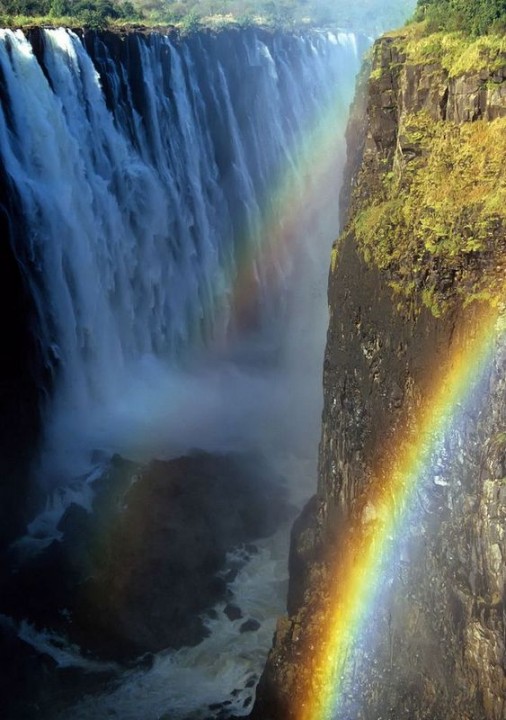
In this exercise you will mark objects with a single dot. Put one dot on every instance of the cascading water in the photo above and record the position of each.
(152, 196)
(160, 198)
(179, 197)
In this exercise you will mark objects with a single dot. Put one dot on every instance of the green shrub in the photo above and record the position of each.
(246, 20)
(442, 209)
(191, 22)
(93, 19)
(470, 16)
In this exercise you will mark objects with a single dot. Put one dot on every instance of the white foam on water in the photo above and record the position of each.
(185, 683)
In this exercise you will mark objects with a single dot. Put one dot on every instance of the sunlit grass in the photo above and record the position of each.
(446, 204)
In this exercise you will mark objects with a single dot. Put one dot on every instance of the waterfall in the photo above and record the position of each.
(178, 199)
(167, 190)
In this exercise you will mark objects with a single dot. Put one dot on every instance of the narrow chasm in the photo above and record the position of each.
(188, 529)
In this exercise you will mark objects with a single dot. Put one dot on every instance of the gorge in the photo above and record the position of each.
(170, 204)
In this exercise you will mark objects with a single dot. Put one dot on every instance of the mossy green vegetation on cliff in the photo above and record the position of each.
(443, 208)
(432, 212)
(456, 52)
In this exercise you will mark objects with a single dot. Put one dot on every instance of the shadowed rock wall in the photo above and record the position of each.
(24, 373)
(439, 645)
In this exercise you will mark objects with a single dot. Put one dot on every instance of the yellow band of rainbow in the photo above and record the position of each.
(358, 574)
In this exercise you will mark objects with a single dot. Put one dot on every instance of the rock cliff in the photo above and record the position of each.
(418, 266)
(24, 371)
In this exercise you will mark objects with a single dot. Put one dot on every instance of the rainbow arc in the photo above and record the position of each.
(358, 577)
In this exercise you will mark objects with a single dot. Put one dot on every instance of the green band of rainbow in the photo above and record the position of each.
(358, 574)
(304, 184)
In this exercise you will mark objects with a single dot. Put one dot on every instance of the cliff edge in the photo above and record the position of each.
(397, 565)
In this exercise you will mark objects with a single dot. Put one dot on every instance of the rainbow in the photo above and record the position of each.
(280, 226)
(358, 575)
(309, 172)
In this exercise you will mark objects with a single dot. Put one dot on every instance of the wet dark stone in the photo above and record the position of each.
(233, 612)
(230, 575)
(32, 687)
(146, 661)
(249, 626)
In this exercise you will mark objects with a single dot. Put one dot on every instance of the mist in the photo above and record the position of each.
(225, 384)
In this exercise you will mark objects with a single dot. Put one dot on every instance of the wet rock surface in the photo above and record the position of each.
(249, 626)
(32, 685)
(140, 572)
(233, 612)
(25, 370)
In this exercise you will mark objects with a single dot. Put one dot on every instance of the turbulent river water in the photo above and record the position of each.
(179, 201)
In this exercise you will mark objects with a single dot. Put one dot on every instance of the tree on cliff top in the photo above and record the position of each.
(370, 16)
(476, 18)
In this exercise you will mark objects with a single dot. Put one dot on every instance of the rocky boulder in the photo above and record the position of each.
(139, 574)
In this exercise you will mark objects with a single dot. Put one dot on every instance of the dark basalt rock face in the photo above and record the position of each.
(25, 373)
(440, 631)
(249, 626)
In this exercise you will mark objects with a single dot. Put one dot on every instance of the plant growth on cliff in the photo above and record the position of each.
(441, 216)
(470, 16)
(434, 219)
(455, 52)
